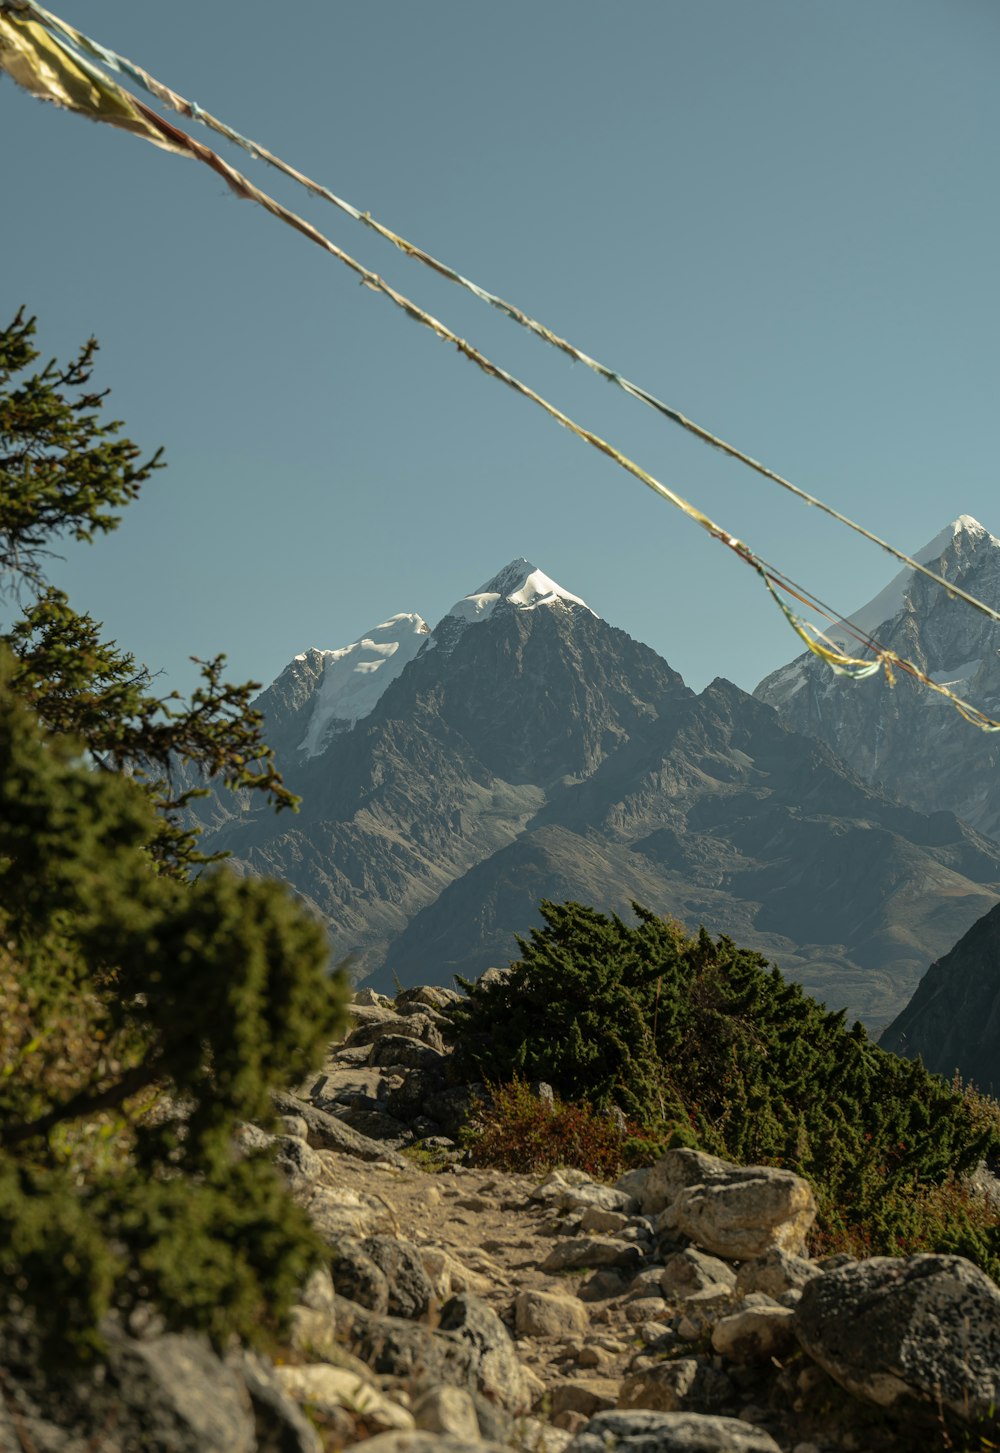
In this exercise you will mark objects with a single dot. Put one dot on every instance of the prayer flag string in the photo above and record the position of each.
(36, 59)
(169, 97)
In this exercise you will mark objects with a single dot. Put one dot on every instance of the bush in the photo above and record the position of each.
(521, 1132)
(696, 1039)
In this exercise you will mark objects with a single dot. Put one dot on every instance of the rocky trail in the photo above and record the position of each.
(473, 1311)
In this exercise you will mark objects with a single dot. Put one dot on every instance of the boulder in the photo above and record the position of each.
(358, 1277)
(296, 1160)
(775, 1273)
(543, 1314)
(608, 1223)
(431, 995)
(328, 1388)
(742, 1211)
(657, 1186)
(404, 1050)
(690, 1271)
(169, 1391)
(590, 1251)
(586, 1395)
(651, 1432)
(498, 1374)
(445, 1409)
(917, 1329)
(754, 1334)
(326, 1132)
(410, 1292)
(592, 1195)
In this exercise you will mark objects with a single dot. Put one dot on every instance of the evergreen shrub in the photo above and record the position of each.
(698, 1041)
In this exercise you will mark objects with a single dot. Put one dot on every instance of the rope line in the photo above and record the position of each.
(46, 69)
(184, 107)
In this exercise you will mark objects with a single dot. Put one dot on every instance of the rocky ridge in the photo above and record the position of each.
(953, 1020)
(470, 1311)
(531, 750)
(909, 740)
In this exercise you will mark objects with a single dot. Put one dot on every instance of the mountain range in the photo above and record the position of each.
(525, 749)
(909, 740)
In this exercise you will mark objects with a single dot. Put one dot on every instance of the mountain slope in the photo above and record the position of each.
(528, 749)
(953, 1019)
(907, 739)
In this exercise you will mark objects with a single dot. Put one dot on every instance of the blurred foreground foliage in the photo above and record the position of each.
(146, 1011)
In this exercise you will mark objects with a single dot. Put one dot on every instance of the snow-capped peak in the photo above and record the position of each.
(889, 602)
(519, 584)
(355, 676)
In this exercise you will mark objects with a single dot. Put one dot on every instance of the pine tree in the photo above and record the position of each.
(149, 1005)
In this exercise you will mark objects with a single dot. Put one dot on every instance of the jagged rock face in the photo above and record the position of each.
(909, 740)
(953, 1020)
(530, 750)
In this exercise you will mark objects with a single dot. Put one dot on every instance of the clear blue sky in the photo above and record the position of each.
(780, 216)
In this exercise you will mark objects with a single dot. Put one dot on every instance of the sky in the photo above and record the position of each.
(780, 216)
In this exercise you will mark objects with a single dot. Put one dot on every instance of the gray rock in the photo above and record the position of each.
(659, 1185)
(409, 1287)
(690, 1271)
(326, 1132)
(776, 1272)
(917, 1329)
(754, 1334)
(742, 1211)
(374, 1123)
(497, 1371)
(168, 1392)
(591, 1251)
(358, 1277)
(686, 1383)
(295, 1159)
(447, 1409)
(586, 1395)
(403, 1050)
(278, 1422)
(543, 1314)
(651, 1432)
(591, 1194)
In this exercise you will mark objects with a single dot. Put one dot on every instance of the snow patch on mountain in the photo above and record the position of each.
(355, 676)
(520, 585)
(890, 601)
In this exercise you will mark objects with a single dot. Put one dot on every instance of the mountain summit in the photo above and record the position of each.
(526, 749)
(519, 586)
(907, 739)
